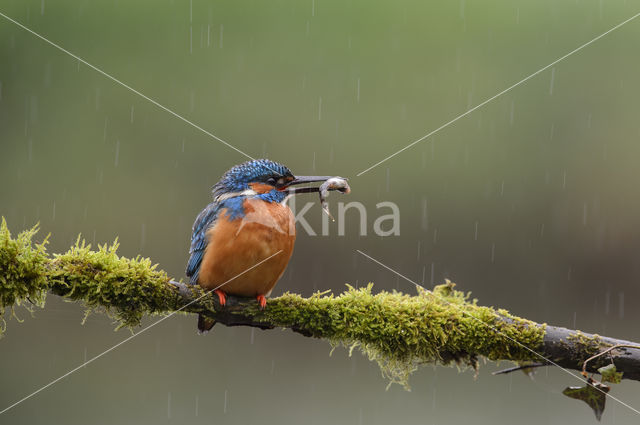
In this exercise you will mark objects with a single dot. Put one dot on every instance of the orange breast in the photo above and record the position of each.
(237, 245)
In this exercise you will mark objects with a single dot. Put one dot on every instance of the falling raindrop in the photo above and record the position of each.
(313, 164)
(432, 273)
(104, 133)
(252, 335)
(569, 274)
(117, 152)
(493, 252)
(584, 214)
(475, 236)
(564, 179)
(190, 39)
(33, 109)
(621, 305)
(435, 235)
(169, 405)
(320, 109)
(502, 188)
(208, 35)
(425, 215)
(29, 149)
(143, 232)
(388, 179)
(541, 230)
(313, 7)
(53, 215)
(607, 300)
(131, 114)
(42, 7)
(183, 141)
(553, 76)
(511, 113)
(461, 9)
(47, 74)
(226, 397)
(551, 131)
(85, 356)
(575, 319)
(358, 90)
(221, 34)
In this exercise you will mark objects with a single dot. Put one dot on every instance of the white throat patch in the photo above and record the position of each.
(225, 196)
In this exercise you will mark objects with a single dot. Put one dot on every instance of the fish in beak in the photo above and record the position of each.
(329, 183)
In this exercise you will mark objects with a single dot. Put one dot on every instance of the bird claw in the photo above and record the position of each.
(222, 297)
(262, 300)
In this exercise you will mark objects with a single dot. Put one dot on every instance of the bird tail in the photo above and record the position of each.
(205, 324)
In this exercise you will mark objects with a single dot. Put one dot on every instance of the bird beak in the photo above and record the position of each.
(305, 179)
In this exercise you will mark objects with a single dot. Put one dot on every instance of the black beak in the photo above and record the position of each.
(305, 179)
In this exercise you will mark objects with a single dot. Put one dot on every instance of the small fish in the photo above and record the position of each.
(335, 183)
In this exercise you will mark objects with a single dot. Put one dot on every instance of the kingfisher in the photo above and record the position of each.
(247, 222)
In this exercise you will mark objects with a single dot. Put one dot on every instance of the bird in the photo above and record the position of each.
(247, 222)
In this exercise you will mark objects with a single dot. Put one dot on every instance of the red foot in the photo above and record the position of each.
(222, 297)
(262, 301)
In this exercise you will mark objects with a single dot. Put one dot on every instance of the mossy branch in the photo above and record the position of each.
(397, 330)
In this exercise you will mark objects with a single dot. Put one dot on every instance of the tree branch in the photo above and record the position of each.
(397, 330)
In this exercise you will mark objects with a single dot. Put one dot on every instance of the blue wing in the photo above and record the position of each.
(205, 220)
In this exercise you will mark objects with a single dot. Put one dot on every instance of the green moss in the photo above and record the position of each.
(22, 269)
(400, 331)
(126, 288)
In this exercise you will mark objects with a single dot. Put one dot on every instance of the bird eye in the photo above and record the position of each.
(271, 181)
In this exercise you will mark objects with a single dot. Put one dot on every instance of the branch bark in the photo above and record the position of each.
(397, 330)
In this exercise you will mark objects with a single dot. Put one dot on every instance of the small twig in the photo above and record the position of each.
(517, 368)
(584, 365)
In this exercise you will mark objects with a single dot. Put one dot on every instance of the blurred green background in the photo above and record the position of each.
(530, 202)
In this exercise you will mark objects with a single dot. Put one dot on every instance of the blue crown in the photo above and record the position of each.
(238, 178)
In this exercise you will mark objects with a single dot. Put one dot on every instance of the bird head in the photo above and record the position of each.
(264, 178)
